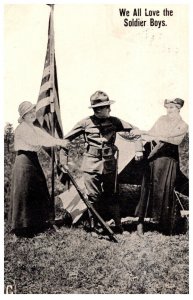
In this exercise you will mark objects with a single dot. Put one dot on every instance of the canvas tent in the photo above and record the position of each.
(130, 174)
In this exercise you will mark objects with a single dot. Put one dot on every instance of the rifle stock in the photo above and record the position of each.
(90, 206)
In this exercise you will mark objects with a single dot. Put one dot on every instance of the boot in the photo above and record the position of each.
(140, 229)
(118, 229)
(115, 212)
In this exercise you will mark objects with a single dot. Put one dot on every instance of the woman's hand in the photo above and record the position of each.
(135, 132)
(63, 143)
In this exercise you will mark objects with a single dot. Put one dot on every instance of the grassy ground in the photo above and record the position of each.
(72, 261)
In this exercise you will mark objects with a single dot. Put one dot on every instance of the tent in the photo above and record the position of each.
(130, 173)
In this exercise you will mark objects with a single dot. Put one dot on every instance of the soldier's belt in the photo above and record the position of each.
(104, 152)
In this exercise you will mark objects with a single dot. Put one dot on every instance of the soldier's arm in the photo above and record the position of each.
(76, 131)
(122, 125)
(137, 138)
(127, 127)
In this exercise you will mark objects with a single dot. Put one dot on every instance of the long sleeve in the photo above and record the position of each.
(122, 125)
(125, 126)
(97, 131)
(177, 136)
(168, 131)
(31, 138)
(76, 131)
(45, 139)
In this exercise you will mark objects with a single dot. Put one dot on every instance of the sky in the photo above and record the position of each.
(138, 67)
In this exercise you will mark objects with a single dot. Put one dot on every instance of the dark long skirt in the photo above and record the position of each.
(157, 199)
(30, 199)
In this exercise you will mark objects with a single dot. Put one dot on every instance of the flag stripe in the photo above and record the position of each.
(45, 79)
(46, 86)
(46, 71)
(44, 102)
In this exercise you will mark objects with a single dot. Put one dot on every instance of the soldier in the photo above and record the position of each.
(99, 163)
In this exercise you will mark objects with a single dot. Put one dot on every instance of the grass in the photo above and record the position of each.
(71, 261)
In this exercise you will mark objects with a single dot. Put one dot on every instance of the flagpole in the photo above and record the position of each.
(52, 102)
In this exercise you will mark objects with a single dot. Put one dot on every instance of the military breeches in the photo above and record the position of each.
(100, 190)
(99, 186)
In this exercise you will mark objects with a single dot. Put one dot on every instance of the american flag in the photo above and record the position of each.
(48, 106)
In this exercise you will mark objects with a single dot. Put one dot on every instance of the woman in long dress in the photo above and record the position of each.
(157, 198)
(30, 200)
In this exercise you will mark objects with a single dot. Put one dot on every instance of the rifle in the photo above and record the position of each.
(105, 226)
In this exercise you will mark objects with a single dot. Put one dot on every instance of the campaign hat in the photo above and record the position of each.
(99, 98)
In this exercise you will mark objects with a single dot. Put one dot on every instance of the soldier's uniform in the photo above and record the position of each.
(99, 161)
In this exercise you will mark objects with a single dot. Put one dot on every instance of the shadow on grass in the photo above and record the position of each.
(181, 227)
(132, 226)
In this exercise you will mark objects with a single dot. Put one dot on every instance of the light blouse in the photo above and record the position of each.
(30, 138)
(167, 129)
